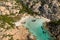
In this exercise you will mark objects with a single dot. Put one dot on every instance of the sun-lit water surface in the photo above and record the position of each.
(36, 27)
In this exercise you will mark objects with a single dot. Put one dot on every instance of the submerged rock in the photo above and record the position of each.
(36, 27)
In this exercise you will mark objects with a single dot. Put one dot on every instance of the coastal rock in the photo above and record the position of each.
(47, 8)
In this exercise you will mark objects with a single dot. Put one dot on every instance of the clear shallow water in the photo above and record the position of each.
(35, 26)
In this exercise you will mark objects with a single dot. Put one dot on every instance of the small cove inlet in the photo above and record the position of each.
(36, 27)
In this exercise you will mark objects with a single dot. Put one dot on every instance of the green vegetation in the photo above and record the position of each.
(9, 35)
(11, 38)
(25, 8)
(5, 19)
(54, 23)
(9, 20)
(43, 2)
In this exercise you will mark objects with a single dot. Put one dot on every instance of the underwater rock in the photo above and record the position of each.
(36, 27)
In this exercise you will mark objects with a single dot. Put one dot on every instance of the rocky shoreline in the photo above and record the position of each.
(47, 9)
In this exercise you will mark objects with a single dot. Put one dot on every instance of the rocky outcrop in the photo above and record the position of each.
(47, 8)
(9, 7)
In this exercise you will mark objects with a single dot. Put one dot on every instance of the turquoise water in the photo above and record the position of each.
(36, 27)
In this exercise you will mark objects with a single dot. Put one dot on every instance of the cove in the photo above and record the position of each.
(36, 27)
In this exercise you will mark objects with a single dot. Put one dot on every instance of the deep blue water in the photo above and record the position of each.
(36, 27)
